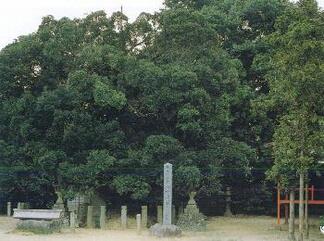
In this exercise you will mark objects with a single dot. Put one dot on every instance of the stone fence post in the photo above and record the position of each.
(8, 209)
(138, 223)
(124, 217)
(90, 217)
(144, 216)
(103, 217)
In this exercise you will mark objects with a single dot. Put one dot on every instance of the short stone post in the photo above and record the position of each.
(228, 200)
(103, 217)
(173, 215)
(144, 216)
(72, 219)
(159, 214)
(8, 209)
(90, 217)
(138, 223)
(19, 205)
(180, 209)
(124, 217)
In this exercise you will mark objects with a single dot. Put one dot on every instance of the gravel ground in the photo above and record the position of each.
(245, 228)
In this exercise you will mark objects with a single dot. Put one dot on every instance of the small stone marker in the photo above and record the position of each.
(173, 215)
(159, 214)
(19, 205)
(138, 223)
(144, 216)
(8, 209)
(89, 217)
(228, 200)
(72, 219)
(103, 217)
(124, 217)
(180, 210)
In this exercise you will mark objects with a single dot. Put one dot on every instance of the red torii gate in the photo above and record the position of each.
(311, 201)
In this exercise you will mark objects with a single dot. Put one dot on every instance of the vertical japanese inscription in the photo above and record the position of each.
(167, 194)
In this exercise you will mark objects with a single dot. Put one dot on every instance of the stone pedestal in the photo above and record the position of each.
(162, 231)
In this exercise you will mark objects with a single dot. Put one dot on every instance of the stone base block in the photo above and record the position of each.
(40, 226)
(162, 231)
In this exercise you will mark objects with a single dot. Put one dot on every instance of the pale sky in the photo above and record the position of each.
(21, 17)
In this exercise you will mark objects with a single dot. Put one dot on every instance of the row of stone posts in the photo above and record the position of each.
(141, 218)
(20, 205)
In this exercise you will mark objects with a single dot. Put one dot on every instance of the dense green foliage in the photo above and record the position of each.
(296, 92)
(100, 104)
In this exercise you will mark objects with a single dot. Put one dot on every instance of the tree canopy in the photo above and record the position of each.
(101, 103)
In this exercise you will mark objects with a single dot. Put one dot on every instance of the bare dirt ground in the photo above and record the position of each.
(245, 228)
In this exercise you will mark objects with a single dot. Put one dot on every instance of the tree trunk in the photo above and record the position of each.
(291, 227)
(301, 206)
(306, 214)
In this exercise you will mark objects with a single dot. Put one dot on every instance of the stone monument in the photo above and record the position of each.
(166, 229)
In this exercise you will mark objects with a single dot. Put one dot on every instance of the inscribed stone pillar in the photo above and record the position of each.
(8, 209)
(138, 223)
(124, 217)
(159, 214)
(144, 216)
(167, 194)
(103, 217)
(90, 217)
